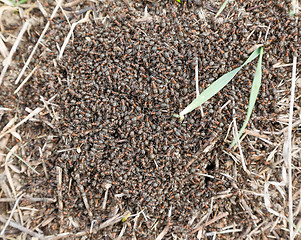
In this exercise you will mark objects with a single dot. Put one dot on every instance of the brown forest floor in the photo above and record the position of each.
(90, 147)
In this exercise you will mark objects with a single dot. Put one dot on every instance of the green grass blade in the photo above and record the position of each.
(253, 96)
(221, 8)
(215, 87)
(210, 91)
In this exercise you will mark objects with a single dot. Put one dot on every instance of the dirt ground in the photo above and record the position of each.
(90, 147)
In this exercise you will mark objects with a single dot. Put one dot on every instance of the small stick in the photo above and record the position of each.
(2, 109)
(92, 225)
(295, 124)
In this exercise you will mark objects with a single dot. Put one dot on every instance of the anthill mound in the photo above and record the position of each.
(111, 126)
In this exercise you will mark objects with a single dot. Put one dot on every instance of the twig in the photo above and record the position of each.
(13, 50)
(43, 162)
(92, 225)
(255, 134)
(2, 109)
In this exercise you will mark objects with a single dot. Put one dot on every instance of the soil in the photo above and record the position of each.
(108, 138)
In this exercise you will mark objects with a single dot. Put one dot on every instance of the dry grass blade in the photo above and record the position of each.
(25, 80)
(22, 160)
(287, 171)
(163, 233)
(112, 221)
(288, 160)
(39, 41)
(217, 218)
(13, 50)
(42, 9)
(85, 19)
(21, 228)
(3, 109)
(82, 190)
(122, 232)
(7, 2)
(27, 198)
(10, 216)
(3, 48)
(7, 172)
(33, 113)
(242, 159)
(60, 195)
